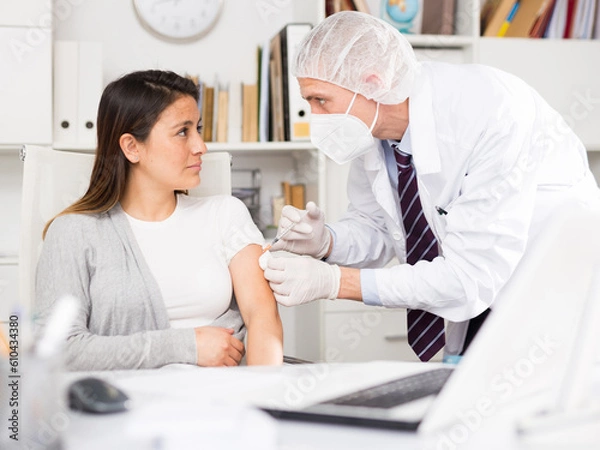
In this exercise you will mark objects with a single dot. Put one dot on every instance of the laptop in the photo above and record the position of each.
(525, 349)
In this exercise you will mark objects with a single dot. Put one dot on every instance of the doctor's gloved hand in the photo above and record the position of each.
(299, 280)
(309, 236)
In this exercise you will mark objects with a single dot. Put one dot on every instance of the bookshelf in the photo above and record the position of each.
(316, 330)
(349, 331)
(25, 115)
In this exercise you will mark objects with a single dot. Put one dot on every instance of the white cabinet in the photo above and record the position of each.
(25, 86)
(25, 117)
(26, 75)
(563, 71)
(8, 287)
(77, 91)
(29, 13)
(354, 332)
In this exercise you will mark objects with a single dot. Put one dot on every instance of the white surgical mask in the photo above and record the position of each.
(342, 137)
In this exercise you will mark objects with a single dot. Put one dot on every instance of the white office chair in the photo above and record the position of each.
(54, 179)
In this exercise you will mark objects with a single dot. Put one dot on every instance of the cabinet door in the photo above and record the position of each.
(367, 335)
(563, 71)
(8, 289)
(28, 13)
(25, 86)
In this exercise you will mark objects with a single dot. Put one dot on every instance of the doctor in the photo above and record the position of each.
(455, 170)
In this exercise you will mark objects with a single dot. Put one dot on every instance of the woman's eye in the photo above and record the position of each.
(199, 129)
(183, 132)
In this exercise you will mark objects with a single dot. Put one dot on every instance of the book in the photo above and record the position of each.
(487, 11)
(361, 6)
(528, 13)
(263, 94)
(539, 27)
(296, 110)
(329, 7)
(277, 203)
(290, 113)
(498, 17)
(294, 194)
(596, 26)
(286, 190)
(571, 5)
(208, 102)
(276, 90)
(583, 19)
(223, 115)
(249, 112)
(438, 17)
(508, 21)
(298, 193)
(556, 25)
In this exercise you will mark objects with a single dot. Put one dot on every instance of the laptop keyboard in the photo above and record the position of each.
(396, 392)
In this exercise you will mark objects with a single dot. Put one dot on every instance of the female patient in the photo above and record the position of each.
(154, 270)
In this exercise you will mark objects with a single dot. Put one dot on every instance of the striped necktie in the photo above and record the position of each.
(425, 330)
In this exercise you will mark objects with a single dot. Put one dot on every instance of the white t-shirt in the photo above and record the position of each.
(189, 253)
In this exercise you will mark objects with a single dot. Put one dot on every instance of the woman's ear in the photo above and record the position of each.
(130, 147)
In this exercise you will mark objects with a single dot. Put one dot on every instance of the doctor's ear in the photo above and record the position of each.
(129, 146)
(373, 81)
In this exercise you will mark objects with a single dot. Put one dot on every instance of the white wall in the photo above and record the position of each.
(228, 50)
(11, 178)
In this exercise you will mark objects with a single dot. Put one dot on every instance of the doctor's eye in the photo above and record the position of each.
(321, 101)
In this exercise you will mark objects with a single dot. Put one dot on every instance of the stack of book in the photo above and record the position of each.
(283, 115)
(292, 194)
(428, 16)
(555, 19)
(334, 6)
(213, 104)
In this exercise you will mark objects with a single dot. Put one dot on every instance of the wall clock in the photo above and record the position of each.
(178, 20)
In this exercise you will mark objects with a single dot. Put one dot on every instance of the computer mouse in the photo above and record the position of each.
(94, 395)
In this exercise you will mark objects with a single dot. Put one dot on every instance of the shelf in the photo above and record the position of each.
(265, 146)
(9, 148)
(9, 260)
(73, 148)
(440, 41)
(255, 148)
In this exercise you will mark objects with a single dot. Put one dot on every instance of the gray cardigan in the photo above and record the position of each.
(122, 321)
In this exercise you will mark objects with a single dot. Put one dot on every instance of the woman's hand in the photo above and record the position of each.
(217, 347)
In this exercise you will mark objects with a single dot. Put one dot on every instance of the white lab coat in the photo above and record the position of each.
(490, 152)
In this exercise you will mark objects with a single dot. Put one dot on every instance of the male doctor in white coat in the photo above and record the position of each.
(493, 162)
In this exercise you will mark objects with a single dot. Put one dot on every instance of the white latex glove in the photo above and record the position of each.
(298, 280)
(264, 258)
(309, 236)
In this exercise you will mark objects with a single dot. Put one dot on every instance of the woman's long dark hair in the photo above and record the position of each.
(131, 104)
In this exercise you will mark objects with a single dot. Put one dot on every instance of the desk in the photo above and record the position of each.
(181, 407)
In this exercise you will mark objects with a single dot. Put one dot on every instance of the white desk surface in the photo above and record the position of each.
(183, 407)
